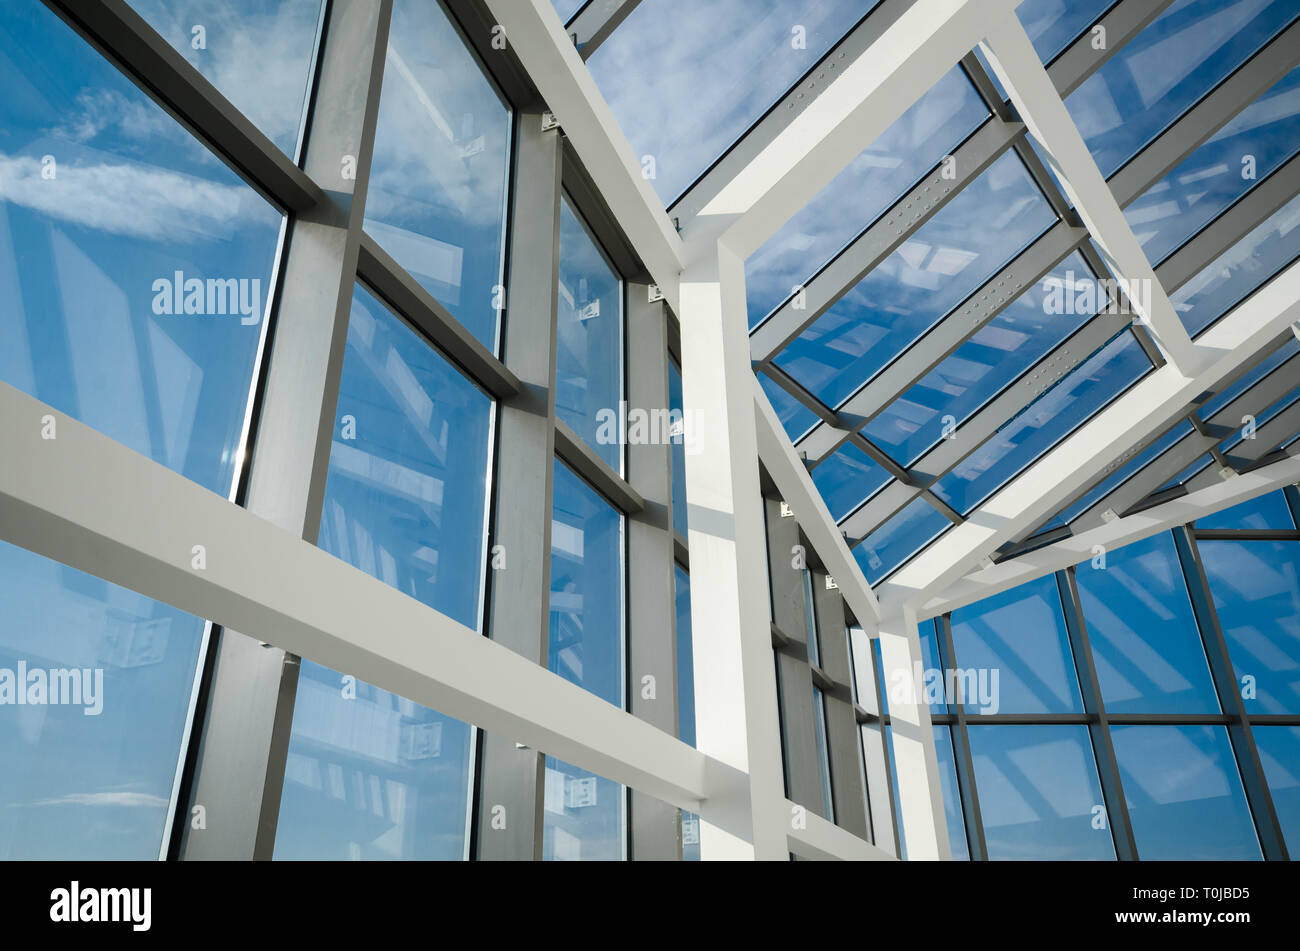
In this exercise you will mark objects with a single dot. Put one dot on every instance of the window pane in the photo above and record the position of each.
(678, 452)
(1264, 512)
(795, 417)
(258, 53)
(1020, 638)
(847, 479)
(683, 103)
(952, 809)
(909, 149)
(1256, 588)
(134, 266)
(965, 243)
(88, 779)
(589, 358)
(1052, 24)
(1279, 751)
(372, 775)
(1184, 795)
(437, 197)
(1039, 793)
(890, 545)
(1144, 638)
(585, 813)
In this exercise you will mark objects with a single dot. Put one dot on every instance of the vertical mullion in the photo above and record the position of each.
(1103, 749)
(1292, 495)
(880, 782)
(1249, 766)
(965, 766)
(241, 748)
(654, 826)
(511, 779)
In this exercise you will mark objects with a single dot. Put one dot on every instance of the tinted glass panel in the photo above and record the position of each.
(1264, 512)
(1039, 794)
(795, 417)
(1184, 794)
(1052, 24)
(1279, 751)
(437, 197)
(913, 527)
(952, 810)
(1125, 472)
(847, 478)
(1144, 638)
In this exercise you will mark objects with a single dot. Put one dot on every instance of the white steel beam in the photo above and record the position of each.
(537, 36)
(1147, 408)
(1012, 56)
(798, 491)
(1079, 548)
(93, 504)
(812, 837)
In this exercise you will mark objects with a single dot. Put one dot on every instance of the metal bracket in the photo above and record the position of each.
(549, 121)
(786, 511)
(656, 294)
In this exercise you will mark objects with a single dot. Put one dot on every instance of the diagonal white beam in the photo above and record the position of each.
(537, 36)
(91, 503)
(867, 96)
(797, 489)
(1147, 408)
(1012, 56)
(812, 837)
(1122, 531)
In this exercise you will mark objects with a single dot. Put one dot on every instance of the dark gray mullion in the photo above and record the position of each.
(1103, 749)
(843, 743)
(1292, 494)
(1249, 766)
(962, 760)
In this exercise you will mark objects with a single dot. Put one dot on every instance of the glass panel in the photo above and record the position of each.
(1014, 648)
(1264, 512)
(847, 478)
(966, 242)
(911, 529)
(1144, 638)
(795, 417)
(585, 813)
(437, 196)
(1187, 473)
(1238, 272)
(106, 678)
(1279, 751)
(952, 809)
(372, 775)
(678, 451)
(1184, 794)
(567, 8)
(1262, 369)
(991, 360)
(1163, 70)
(589, 355)
(904, 153)
(1040, 798)
(1247, 149)
(1269, 413)
(683, 103)
(1084, 391)
(134, 266)
(823, 753)
(1052, 24)
(258, 53)
(685, 659)
(1256, 588)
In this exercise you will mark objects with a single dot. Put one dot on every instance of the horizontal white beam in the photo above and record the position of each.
(812, 837)
(1147, 408)
(91, 503)
(537, 36)
(1113, 535)
(798, 491)
(1012, 56)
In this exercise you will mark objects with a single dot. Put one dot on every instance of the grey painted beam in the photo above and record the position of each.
(843, 735)
(582, 459)
(596, 21)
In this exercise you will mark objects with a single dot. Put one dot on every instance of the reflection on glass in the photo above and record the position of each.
(819, 701)
(1040, 798)
(258, 53)
(683, 103)
(991, 360)
(847, 478)
(1163, 70)
(1084, 391)
(1256, 141)
(910, 529)
(1256, 373)
(1052, 24)
(952, 809)
(1256, 588)
(1184, 794)
(796, 418)
(372, 775)
(1279, 751)
(686, 699)
(1264, 512)
(1240, 271)
(1145, 644)
(134, 266)
(678, 452)
(965, 243)
(585, 813)
(916, 142)
(437, 197)
(1019, 636)
(589, 342)
(89, 779)
(567, 8)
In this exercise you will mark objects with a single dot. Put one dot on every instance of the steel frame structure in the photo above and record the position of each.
(89, 502)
